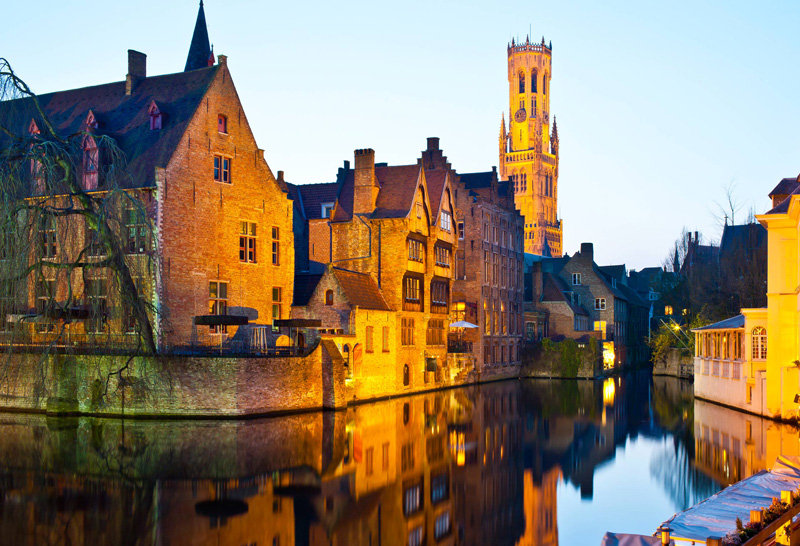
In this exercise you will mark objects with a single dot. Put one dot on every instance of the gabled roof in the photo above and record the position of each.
(312, 196)
(785, 187)
(618, 272)
(360, 289)
(473, 181)
(304, 287)
(435, 181)
(398, 186)
(736, 238)
(727, 324)
(554, 290)
(123, 117)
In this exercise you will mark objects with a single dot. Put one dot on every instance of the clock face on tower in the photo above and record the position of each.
(520, 115)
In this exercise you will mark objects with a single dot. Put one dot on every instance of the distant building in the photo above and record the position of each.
(528, 150)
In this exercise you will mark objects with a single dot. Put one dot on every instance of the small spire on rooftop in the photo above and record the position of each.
(200, 53)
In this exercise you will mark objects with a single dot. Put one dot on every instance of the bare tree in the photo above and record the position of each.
(66, 214)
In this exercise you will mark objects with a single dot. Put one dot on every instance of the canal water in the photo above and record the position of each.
(531, 462)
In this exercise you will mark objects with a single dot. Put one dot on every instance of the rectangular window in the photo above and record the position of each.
(369, 462)
(327, 210)
(600, 326)
(412, 496)
(412, 294)
(96, 293)
(600, 304)
(440, 296)
(443, 256)
(530, 330)
(486, 267)
(45, 299)
(439, 488)
(416, 251)
(407, 332)
(247, 242)
(94, 247)
(442, 525)
(222, 124)
(370, 345)
(218, 303)
(385, 344)
(461, 271)
(276, 246)
(47, 237)
(435, 334)
(222, 169)
(385, 465)
(461, 230)
(277, 295)
(446, 221)
(576, 279)
(136, 231)
(129, 322)
(495, 269)
(486, 231)
(416, 536)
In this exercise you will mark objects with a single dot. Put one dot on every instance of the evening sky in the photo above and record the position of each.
(659, 105)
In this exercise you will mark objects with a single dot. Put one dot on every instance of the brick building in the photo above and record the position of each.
(396, 224)
(221, 222)
(488, 288)
(574, 297)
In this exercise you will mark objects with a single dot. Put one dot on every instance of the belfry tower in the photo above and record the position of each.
(529, 149)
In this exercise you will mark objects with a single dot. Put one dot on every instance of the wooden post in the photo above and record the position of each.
(713, 541)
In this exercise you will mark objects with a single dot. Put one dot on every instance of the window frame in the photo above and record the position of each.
(223, 167)
(248, 233)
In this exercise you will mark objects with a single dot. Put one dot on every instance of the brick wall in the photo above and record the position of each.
(200, 219)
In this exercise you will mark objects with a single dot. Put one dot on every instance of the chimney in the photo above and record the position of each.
(222, 60)
(587, 250)
(137, 70)
(433, 144)
(696, 238)
(280, 176)
(365, 192)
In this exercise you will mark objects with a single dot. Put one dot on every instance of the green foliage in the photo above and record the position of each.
(570, 358)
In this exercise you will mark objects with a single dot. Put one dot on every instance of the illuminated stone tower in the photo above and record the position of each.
(529, 150)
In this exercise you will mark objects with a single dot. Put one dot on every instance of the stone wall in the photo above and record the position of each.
(564, 359)
(185, 386)
(675, 363)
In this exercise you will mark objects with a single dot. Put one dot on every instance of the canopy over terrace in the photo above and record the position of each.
(716, 516)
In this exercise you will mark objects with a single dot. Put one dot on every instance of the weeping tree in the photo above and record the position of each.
(68, 225)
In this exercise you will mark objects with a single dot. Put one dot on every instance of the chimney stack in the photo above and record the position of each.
(222, 59)
(137, 70)
(366, 186)
(280, 176)
(433, 144)
(587, 250)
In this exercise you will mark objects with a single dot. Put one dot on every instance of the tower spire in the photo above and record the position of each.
(503, 134)
(199, 50)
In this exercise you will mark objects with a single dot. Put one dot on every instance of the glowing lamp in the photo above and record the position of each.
(664, 531)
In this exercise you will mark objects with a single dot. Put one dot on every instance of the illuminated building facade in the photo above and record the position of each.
(529, 150)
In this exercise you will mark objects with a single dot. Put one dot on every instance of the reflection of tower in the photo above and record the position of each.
(528, 150)
(541, 510)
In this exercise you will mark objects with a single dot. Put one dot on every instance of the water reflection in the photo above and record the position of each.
(478, 465)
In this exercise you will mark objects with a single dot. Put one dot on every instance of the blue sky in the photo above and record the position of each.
(659, 105)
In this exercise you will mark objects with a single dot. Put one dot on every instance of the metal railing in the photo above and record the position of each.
(459, 346)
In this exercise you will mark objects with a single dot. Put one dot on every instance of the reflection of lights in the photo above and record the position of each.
(609, 391)
(458, 448)
(501, 452)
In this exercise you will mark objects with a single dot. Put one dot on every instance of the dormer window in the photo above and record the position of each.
(90, 163)
(155, 117)
(222, 124)
(327, 210)
(91, 121)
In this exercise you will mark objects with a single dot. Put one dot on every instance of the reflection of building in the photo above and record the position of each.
(731, 445)
(541, 511)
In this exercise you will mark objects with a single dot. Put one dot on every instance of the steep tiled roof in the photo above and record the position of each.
(360, 289)
(344, 201)
(123, 117)
(435, 181)
(727, 324)
(616, 271)
(554, 291)
(304, 286)
(785, 186)
(783, 206)
(736, 238)
(398, 186)
(313, 196)
(473, 181)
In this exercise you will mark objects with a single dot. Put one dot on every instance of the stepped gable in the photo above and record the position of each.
(123, 117)
(360, 289)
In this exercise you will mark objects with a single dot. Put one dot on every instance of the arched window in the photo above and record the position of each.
(406, 376)
(544, 85)
(534, 78)
(90, 163)
(406, 411)
(346, 351)
(759, 337)
(155, 117)
(329, 297)
(301, 340)
(522, 82)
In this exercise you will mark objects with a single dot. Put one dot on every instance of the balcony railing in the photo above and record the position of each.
(459, 346)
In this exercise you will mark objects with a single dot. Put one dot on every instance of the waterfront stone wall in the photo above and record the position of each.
(185, 386)
(675, 363)
(564, 359)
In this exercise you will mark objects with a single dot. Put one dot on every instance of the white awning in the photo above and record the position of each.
(619, 539)
(716, 516)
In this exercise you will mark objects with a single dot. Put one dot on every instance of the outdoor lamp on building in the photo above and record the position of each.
(664, 530)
